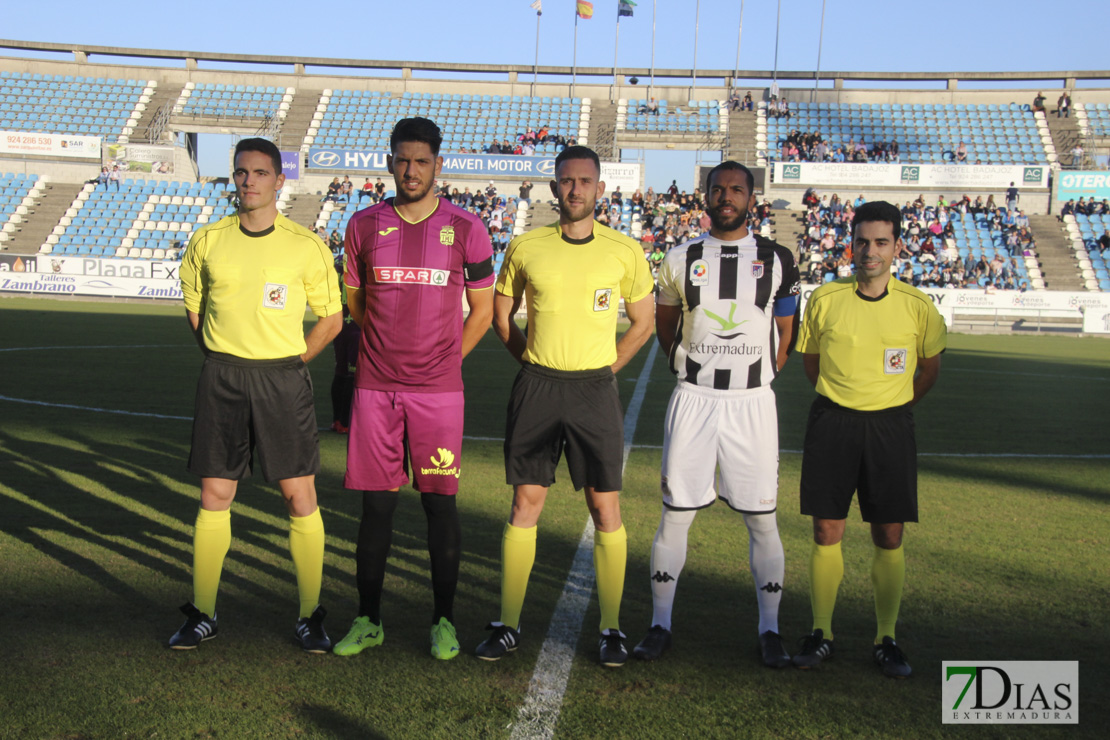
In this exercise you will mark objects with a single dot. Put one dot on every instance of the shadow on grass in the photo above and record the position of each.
(1023, 475)
(330, 723)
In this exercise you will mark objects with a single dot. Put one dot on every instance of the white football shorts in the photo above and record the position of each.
(735, 430)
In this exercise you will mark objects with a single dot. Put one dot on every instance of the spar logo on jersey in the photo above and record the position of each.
(274, 295)
(894, 362)
(443, 463)
(757, 269)
(602, 299)
(447, 236)
(699, 273)
(415, 275)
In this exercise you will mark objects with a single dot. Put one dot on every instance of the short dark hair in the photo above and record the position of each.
(260, 145)
(728, 164)
(578, 152)
(878, 210)
(416, 129)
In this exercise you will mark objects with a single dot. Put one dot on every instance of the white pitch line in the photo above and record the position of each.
(539, 714)
(93, 408)
(628, 446)
(98, 346)
(1056, 376)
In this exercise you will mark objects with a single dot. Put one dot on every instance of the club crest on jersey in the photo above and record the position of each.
(699, 273)
(447, 236)
(894, 362)
(274, 295)
(757, 269)
(602, 298)
(417, 275)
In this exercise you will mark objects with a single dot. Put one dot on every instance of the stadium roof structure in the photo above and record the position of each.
(593, 75)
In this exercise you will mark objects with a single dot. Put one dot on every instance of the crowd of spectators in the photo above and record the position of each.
(1085, 207)
(735, 102)
(803, 146)
(525, 143)
(669, 217)
(929, 257)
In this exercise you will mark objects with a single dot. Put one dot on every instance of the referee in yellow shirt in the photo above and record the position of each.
(565, 399)
(246, 280)
(871, 346)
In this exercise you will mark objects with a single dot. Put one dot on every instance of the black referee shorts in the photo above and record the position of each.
(874, 452)
(247, 406)
(554, 410)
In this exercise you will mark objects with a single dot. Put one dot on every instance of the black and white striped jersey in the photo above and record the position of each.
(729, 293)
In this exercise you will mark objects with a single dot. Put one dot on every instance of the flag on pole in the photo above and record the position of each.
(624, 7)
(537, 6)
(585, 9)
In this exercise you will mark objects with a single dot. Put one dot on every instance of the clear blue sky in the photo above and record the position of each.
(862, 35)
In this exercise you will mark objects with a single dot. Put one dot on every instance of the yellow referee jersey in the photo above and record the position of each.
(252, 288)
(572, 290)
(869, 347)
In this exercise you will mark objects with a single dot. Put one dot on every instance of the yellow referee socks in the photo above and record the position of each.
(826, 570)
(518, 553)
(306, 545)
(888, 575)
(211, 541)
(610, 557)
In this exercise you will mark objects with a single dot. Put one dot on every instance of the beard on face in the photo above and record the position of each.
(720, 223)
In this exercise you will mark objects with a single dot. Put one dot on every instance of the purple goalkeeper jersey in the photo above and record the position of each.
(414, 275)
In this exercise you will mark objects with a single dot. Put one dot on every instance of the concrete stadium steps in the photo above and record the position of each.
(603, 129)
(304, 208)
(742, 146)
(1057, 261)
(163, 95)
(298, 119)
(541, 213)
(1065, 133)
(790, 227)
(45, 214)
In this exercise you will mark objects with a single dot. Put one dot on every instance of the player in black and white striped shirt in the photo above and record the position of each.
(725, 313)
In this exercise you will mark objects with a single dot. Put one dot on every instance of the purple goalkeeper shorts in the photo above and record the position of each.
(387, 425)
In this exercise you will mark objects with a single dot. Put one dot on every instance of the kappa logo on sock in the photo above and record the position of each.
(771, 588)
(662, 577)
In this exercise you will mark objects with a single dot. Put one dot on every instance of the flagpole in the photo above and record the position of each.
(739, 35)
(820, 43)
(697, 13)
(616, 46)
(574, 61)
(651, 86)
(778, 22)
(536, 68)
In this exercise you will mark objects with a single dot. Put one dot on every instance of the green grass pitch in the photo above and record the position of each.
(1009, 561)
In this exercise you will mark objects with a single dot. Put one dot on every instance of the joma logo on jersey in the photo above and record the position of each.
(416, 275)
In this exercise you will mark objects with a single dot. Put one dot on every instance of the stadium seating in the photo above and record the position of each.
(144, 219)
(1084, 232)
(1093, 118)
(336, 216)
(72, 104)
(17, 193)
(212, 100)
(926, 133)
(362, 119)
(698, 116)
